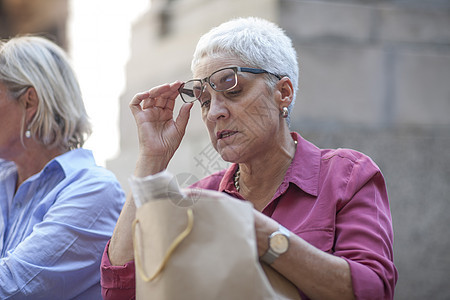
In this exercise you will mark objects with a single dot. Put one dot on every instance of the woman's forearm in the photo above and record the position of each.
(159, 137)
(120, 249)
(318, 274)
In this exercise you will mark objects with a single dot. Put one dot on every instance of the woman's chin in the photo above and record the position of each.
(230, 154)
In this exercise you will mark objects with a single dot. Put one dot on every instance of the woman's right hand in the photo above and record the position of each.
(159, 134)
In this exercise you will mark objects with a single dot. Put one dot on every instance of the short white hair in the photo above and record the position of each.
(257, 42)
(30, 61)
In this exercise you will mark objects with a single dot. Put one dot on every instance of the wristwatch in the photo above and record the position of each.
(278, 244)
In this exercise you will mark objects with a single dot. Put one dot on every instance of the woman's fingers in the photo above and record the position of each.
(137, 99)
(162, 96)
(183, 116)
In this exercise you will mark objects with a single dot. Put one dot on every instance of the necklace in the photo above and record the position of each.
(237, 175)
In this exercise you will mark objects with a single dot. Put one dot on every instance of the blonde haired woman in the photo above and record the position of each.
(57, 207)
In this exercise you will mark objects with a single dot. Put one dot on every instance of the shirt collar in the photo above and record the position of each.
(65, 164)
(74, 160)
(69, 162)
(303, 171)
(305, 167)
(227, 182)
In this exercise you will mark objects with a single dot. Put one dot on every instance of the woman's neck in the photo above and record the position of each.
(260, 178)
(33, 160)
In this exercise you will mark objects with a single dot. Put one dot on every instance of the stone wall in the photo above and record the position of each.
(374, 76)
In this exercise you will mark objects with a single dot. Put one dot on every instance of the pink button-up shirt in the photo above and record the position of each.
(334, 199)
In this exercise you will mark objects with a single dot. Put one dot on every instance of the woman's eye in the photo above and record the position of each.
(205, 104)
(233, 92)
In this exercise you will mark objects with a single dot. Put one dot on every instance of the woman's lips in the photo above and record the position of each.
(224, 134)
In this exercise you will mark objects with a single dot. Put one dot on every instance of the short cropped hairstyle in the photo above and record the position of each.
(257, 42)
(30, 61)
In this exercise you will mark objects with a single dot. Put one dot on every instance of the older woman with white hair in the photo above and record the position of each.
(57, 207)
(327, 208)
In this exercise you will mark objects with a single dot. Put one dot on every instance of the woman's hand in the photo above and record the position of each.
(159, 134)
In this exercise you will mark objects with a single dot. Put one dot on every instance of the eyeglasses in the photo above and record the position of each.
(221, 80)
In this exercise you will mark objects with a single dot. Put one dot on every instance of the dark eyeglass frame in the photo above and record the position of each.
(205, 80)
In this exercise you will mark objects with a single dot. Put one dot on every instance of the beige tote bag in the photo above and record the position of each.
(204, 250)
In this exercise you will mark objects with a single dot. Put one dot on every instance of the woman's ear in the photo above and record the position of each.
(30, 101)
(286, 92)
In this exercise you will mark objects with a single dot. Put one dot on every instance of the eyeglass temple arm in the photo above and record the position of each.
(259, 71)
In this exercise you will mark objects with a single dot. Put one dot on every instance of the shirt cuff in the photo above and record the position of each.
(162, 185)
(116, 277)
(365, 282)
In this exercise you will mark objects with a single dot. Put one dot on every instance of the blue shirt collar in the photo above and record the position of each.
(69, 165)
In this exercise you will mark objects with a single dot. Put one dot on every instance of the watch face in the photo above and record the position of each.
(279, 243)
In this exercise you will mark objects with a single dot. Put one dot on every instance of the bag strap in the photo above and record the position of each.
(169, 252)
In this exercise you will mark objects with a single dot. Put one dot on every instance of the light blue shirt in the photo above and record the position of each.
(53, 230)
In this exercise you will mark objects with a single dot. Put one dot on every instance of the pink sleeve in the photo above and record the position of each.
(364, 234)
(118, 282)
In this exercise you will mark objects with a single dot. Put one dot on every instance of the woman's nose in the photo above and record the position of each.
(217, 107)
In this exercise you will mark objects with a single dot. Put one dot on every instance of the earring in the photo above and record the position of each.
(28, 133)
(284, 112)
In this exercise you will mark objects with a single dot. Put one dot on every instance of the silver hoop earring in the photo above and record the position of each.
(28, 133)
(285, 112)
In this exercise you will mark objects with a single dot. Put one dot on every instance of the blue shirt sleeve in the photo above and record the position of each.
(71, 224)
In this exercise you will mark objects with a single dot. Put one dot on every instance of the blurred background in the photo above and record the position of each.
(374, 76)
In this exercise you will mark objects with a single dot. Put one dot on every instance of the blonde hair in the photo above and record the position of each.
(30, 61)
